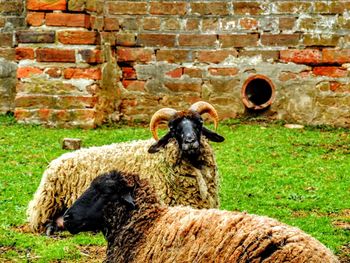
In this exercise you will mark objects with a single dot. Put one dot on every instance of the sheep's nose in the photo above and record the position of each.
(189, 139)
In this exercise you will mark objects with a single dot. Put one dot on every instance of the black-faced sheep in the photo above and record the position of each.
(181, 166)
(140, 229)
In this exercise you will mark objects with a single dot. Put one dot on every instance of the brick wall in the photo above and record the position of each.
(81, 62)
(11, 18)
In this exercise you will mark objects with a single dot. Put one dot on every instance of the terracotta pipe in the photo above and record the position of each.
(258, 92)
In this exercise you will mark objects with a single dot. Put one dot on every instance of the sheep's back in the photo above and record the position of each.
(187, 235)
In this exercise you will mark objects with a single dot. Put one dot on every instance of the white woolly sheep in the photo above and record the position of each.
(140, 229)
(182, 167)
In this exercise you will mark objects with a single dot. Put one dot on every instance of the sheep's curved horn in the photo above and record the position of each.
(164, 114)
(204, 107)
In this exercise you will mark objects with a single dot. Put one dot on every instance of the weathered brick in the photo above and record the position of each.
(286, 23)
(107, 37)
(336, 56)
(6, 39)
(67, 20)
(250, 8)
(195, 40)
(209, 8)
(91, 56)
(7, 53)
(288, 40)
(215, 56)
(210, 24)
(151, 23)
(193, 72)
(265, 54)
(14, 7)
(46, 4)
(35, 36)
(77, 37)
(168, 8)
(134, 85)
(331, 7)
(24, 53)
(26, 72)
(301, 56)
(156, 40)
(76, 5)
(53, 72)
(320, 40)
(248, 23)
(240, 40)
(55, 55)
(171, 24)
(127, 7)
(97, 22)
(192, 24)
(223, 71)
(334, 72)
(82, 73)
(183, 85)
(126, 39)
(174, 56)
(293, 7)
(111, 24)
(35, 18)
(286, 76)
(134, 54)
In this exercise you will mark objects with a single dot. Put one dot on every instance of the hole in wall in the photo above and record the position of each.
(258, 92)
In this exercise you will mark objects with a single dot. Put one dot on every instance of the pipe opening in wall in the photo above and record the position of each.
(258, 92)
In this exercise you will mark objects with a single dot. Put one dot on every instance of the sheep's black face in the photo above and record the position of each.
(187, 132)
(87, 212)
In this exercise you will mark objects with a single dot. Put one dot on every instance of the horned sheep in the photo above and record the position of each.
(140, 229)
(180, 165)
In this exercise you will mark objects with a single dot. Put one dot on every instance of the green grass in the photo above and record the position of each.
(301, 177)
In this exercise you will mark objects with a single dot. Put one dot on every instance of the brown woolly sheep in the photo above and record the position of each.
(181, 166)
(140, 229)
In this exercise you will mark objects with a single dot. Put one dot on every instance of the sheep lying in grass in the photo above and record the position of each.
(181, 167)
(139, 228)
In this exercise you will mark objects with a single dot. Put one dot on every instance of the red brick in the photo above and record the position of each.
(151, 23)
(6, 39)
(171, 8)
(334, 72)
(67, 20)
(286, 23)
(156, 40)
(209, 8)
(127, 8)
(53, 72)
(280, 40)
(55, 55)
(217, 56)
(129, 73)
(111, 24)
(293, 7)
(246, 40)
(174, 56)
(134, 85)
(197, 40)
(46, 4)
(27, 72)
(175, 73)
(243, 8)
(223, 71)
(248, 23)
(336, 56)
(82, 73)
(301, 56)
(134, 54)
(24, 53)
(77, 37)
(35, 18)
(91, 56)
(192, 24)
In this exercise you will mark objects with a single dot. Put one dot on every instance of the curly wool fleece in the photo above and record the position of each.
(176, 181)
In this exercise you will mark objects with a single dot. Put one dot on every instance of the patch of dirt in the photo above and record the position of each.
(91, 253)
(22, 229)
(23, 255)
(341, 224)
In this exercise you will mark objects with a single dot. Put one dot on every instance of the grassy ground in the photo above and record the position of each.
(301, 177)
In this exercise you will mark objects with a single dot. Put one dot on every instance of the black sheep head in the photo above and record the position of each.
(186, 128)
(87, 212)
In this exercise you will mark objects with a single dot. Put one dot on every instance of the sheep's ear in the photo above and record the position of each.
(212, 136)
(129, 200)
(161, 143)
